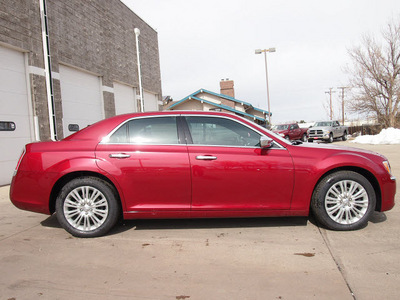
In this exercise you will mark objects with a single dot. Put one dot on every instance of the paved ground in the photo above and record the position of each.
(272, 258)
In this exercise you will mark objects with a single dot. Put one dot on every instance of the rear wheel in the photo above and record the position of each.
(343, 200)
(87, 207)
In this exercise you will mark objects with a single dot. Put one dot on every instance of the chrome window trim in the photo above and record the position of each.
(105, 142)
(238, 121)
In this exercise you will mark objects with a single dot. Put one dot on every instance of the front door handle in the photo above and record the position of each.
(119, 155)
(206, 157)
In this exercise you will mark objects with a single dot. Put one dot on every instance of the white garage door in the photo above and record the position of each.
(125, 99)
(15, 124)
(81, 96)
(150, 102)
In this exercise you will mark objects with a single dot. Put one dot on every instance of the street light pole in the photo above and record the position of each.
(259, 51)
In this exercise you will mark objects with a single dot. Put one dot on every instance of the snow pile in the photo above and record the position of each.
(388, 136)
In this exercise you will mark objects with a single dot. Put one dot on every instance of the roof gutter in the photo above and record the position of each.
(47, 70)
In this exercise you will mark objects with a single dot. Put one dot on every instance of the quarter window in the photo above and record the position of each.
(221, 132)
(147, 131)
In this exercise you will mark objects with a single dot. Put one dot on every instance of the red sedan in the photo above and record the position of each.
(196, 165)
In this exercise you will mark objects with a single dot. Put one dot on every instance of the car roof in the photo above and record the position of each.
(101, 128)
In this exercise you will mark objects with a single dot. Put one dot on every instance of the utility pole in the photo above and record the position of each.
(330, 102)
(343, 88)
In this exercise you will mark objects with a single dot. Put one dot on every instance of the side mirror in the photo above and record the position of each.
(266, 142)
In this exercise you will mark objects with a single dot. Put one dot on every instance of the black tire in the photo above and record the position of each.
(287, 137)
(344, 137)
(304, 138)
(351, 202)
(330, 140)
(87, 207)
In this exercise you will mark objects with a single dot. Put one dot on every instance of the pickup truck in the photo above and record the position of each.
(327, 131)
(291, 131)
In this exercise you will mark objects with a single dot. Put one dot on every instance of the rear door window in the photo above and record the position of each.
(147, 131)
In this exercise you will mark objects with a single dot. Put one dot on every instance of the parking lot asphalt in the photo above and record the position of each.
(262, 258)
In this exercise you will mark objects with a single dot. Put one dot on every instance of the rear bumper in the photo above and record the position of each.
(28, 193)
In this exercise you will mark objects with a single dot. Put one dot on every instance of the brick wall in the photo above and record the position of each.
(227, 88)
(94, 35)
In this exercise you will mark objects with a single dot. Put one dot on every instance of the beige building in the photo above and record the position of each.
(225, 101)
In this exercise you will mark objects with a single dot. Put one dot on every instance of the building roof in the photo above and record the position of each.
(225, 107)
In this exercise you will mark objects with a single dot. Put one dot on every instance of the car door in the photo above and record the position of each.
(231, 172)
(296, 131)
(150, 163)
(336, 129)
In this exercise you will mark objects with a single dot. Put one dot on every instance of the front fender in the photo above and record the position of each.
(309, 171)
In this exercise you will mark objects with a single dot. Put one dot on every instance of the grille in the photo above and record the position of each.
(315, 131)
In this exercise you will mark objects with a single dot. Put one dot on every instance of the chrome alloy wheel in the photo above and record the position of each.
(85, 208)
(346, 202)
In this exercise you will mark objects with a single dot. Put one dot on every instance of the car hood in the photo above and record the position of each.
(280, 131)
(319, 128)
(340, 149)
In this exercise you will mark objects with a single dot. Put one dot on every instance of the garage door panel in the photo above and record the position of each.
(11, 60)
(22, 126)
(82, 113)
(14, 107)
(7, 170)
(125, 99)
(150, 102)
(81, 98)
(13, 104)
(73, 93)
(12, 81)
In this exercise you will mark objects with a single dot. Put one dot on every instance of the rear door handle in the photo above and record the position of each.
(206, 157)
(119, 155)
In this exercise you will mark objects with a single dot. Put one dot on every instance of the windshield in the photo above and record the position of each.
(323, 124)
(280, 127)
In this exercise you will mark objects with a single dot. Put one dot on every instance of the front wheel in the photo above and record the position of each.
(343, 200)
(87, 207)
(304, 138)
(330, 140)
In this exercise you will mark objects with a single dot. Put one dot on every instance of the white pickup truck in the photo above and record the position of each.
(327, 131)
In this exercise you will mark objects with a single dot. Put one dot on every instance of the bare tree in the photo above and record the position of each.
(375, 77)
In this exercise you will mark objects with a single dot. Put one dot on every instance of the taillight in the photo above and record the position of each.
(19, 161)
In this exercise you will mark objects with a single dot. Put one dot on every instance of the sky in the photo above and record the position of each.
(202, 42)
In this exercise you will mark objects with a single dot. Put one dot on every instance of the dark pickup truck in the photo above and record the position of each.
(291, 131)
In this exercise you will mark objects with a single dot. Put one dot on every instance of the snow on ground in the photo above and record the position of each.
(388, 136)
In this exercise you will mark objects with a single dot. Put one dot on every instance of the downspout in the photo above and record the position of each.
(47, 70)
(137, 33)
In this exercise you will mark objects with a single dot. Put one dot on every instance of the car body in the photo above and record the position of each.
(327, 131)
(291, 131)
(195, 165)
